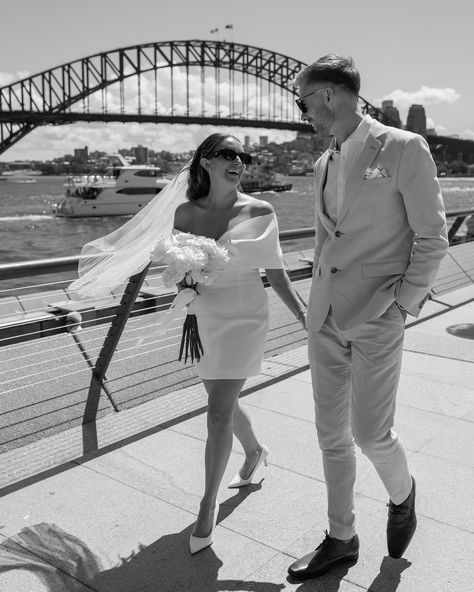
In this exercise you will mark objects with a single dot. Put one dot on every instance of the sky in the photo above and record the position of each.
(411, 51)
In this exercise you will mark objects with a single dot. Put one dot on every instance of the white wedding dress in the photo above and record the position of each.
(232, 313)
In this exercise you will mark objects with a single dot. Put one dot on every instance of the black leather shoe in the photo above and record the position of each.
(401, 524)
(330, 552)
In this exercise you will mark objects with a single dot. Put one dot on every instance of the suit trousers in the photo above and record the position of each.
(355, 374)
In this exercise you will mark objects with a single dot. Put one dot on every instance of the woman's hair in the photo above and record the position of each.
(332, 68)
(198, 179)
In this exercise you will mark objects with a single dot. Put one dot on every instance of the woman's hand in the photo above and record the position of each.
(301, 317)
(281, 283)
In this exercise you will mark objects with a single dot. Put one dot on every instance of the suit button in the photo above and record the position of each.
(338, 233)
(334, 269)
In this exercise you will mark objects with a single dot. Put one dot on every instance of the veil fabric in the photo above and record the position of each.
(109, 261)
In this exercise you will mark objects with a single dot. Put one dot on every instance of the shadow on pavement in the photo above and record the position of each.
(330, 582)
(390, 575)
(53, 560)
(465, 330)
(387, 580)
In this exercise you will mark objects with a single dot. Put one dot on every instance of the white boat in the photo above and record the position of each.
(20, 175)
(259, 177)
(125, 191)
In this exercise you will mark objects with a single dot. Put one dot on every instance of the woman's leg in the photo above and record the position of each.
(243, 430)
(223, 395)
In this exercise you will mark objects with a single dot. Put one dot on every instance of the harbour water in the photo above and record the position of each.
(29, 231)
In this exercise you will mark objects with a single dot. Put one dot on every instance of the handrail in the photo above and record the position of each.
(60, 264)
(10, 271)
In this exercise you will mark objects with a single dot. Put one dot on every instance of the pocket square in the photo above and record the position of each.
(376, 173)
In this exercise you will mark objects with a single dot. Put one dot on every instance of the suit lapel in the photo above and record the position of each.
(356, 174)
(320, 180)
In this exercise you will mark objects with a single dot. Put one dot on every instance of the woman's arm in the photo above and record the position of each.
(281, 283)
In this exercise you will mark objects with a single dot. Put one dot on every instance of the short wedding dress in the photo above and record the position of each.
(232, 313)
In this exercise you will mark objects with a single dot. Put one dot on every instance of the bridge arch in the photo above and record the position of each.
(242, 85)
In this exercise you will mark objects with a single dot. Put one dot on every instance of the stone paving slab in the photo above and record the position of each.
(456, 297)
(442, 335)
(451, 393)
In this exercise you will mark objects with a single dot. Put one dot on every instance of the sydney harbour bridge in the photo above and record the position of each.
(191, 81)
(187, 82)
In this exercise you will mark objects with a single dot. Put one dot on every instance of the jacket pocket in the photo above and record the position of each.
(384, 268)
(367, 182)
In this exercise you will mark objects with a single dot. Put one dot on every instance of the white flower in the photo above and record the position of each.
(171, 276)
(159, 249)
(189, 258)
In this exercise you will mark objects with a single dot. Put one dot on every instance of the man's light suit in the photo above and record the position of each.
(385, 248)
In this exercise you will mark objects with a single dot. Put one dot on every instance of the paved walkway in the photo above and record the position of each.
(120, 521)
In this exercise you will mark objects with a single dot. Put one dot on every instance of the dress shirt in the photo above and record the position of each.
(339, 165)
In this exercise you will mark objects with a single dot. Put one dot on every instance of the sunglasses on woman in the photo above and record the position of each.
(302, 105)
(230, 155)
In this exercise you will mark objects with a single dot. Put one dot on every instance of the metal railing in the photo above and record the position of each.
(63, 264)
(133, 300)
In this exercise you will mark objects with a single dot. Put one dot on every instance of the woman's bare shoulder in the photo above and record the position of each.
(183, 216)
(257, 207)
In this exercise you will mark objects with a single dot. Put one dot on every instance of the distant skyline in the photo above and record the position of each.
(410, 52)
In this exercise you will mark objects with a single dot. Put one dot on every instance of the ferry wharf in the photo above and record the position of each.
(108, 505)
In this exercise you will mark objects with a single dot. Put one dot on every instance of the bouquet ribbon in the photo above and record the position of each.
(183, 298)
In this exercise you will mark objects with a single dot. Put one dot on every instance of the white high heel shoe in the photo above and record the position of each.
(197, 544)
(237, 481)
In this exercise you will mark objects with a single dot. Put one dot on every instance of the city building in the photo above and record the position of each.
(263, 140)
(391, 113)
(416, 120)
(141, 154)
(81, 154)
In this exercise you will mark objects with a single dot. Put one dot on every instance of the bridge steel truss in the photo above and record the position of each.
(253, 85)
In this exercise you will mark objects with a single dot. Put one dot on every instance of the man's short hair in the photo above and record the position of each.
(332, 68)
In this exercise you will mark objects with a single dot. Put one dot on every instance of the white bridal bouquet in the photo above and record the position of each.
(190, 260)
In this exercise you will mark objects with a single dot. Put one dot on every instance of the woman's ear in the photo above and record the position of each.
(204, 162)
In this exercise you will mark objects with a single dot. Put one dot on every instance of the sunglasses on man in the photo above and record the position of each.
(301, 104)
(229, 154)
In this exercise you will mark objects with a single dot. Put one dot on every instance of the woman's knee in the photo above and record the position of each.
(220, 417)
(223, 397)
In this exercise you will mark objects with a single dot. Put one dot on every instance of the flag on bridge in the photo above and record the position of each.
(215, 30)
(229, 26)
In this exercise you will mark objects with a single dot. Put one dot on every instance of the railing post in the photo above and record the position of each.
(455, 226)
(110, 344)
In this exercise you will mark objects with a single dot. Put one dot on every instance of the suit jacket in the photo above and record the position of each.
(390, 236)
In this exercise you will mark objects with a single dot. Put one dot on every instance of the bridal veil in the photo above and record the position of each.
(109, 261)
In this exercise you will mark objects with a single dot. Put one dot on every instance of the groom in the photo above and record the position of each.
(380, 237)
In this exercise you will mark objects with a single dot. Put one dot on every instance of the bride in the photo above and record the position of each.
(232, 312)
